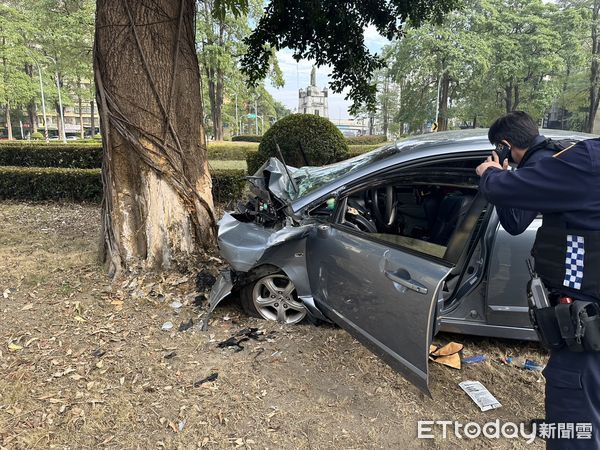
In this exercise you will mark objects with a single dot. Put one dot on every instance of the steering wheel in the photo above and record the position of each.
(384, 209)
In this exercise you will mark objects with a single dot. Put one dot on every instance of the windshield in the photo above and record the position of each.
(309, 179)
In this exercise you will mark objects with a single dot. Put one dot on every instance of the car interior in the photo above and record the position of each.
(419, 216)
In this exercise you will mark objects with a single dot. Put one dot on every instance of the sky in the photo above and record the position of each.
(297, 76)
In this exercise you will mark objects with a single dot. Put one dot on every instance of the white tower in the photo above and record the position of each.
(311, 100)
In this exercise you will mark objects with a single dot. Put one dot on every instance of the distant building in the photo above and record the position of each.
(311, 100)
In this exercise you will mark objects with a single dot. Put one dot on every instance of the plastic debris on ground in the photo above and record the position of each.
(176, 304)
(205, 280)
(524, 363)
(480, 395)
(208, 379)
(167, 326)
(241, 336)
(475, 359)
(170, 355)
(448, 355)
(183, 326)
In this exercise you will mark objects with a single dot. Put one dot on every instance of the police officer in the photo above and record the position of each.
(565, 188)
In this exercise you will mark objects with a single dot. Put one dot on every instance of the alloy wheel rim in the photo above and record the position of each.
(274, 297)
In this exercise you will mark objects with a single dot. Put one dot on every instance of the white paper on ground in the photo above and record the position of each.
(480, 395)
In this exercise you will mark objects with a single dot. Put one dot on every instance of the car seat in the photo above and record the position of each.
(452, 208)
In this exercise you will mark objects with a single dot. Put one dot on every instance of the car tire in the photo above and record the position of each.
(272, 296)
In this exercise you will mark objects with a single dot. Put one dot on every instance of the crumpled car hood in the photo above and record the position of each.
(279, 183)
(243, 244)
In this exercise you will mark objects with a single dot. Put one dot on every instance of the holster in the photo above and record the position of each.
(575, 326)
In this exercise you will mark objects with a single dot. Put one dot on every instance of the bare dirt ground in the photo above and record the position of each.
(86, 366)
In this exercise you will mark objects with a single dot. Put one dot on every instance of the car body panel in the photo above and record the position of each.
(341, 276)
(359, 294)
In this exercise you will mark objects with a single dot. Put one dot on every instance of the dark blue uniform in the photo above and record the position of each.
(567, 184)
(515, 221)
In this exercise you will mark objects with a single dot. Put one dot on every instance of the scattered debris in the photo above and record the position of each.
(200, 300)
(524, 363)
(205, 280)
(448, 355)
(183, 326)
(474, 359)
(480, 395)
(14, 347)
(98, 353)
(208, 379)
(245, 335)
(170, 355)
(176, 304)
(233, 342)
(181, 425)
(167, 326)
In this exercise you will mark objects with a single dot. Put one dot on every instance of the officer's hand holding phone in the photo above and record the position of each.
(492, 161)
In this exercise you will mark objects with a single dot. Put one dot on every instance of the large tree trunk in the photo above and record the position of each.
(8, 122)
(81, 128)
(59, 123)
(157, 209)
(32, 116)
(443, 105)
(93, 118)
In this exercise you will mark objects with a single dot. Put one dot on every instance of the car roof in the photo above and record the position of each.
(460, 142)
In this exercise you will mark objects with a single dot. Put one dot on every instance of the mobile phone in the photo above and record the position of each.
(503, 152)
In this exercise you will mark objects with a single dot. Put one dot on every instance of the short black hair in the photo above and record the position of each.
(516, 127)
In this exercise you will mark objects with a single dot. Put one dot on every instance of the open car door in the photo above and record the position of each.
(385, 295)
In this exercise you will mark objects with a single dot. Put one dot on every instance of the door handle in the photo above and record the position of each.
(407, 283)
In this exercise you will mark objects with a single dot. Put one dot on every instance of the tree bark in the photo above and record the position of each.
(32, 116)
(80, 105)
(93, 118)
(157, 209)
(8, 122)
(443, 105)
(59, 124)
(215, 78)
(81, 128)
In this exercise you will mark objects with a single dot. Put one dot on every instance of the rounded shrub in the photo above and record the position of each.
(37, 136)
(305, 140)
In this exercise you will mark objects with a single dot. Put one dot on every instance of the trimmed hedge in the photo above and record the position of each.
(253, 161)
(246, 138)
(89, 156)
(360, 149)
(321, 142)
(228, 184)
(67, 156)
(230, 151)
(50, 183)
(366, 139)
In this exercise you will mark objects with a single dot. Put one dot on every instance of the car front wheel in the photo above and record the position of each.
(273, 297)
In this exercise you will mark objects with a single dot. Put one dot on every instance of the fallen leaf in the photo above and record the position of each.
(27, 307)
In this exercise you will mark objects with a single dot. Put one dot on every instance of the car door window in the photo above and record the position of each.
(417, 216)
